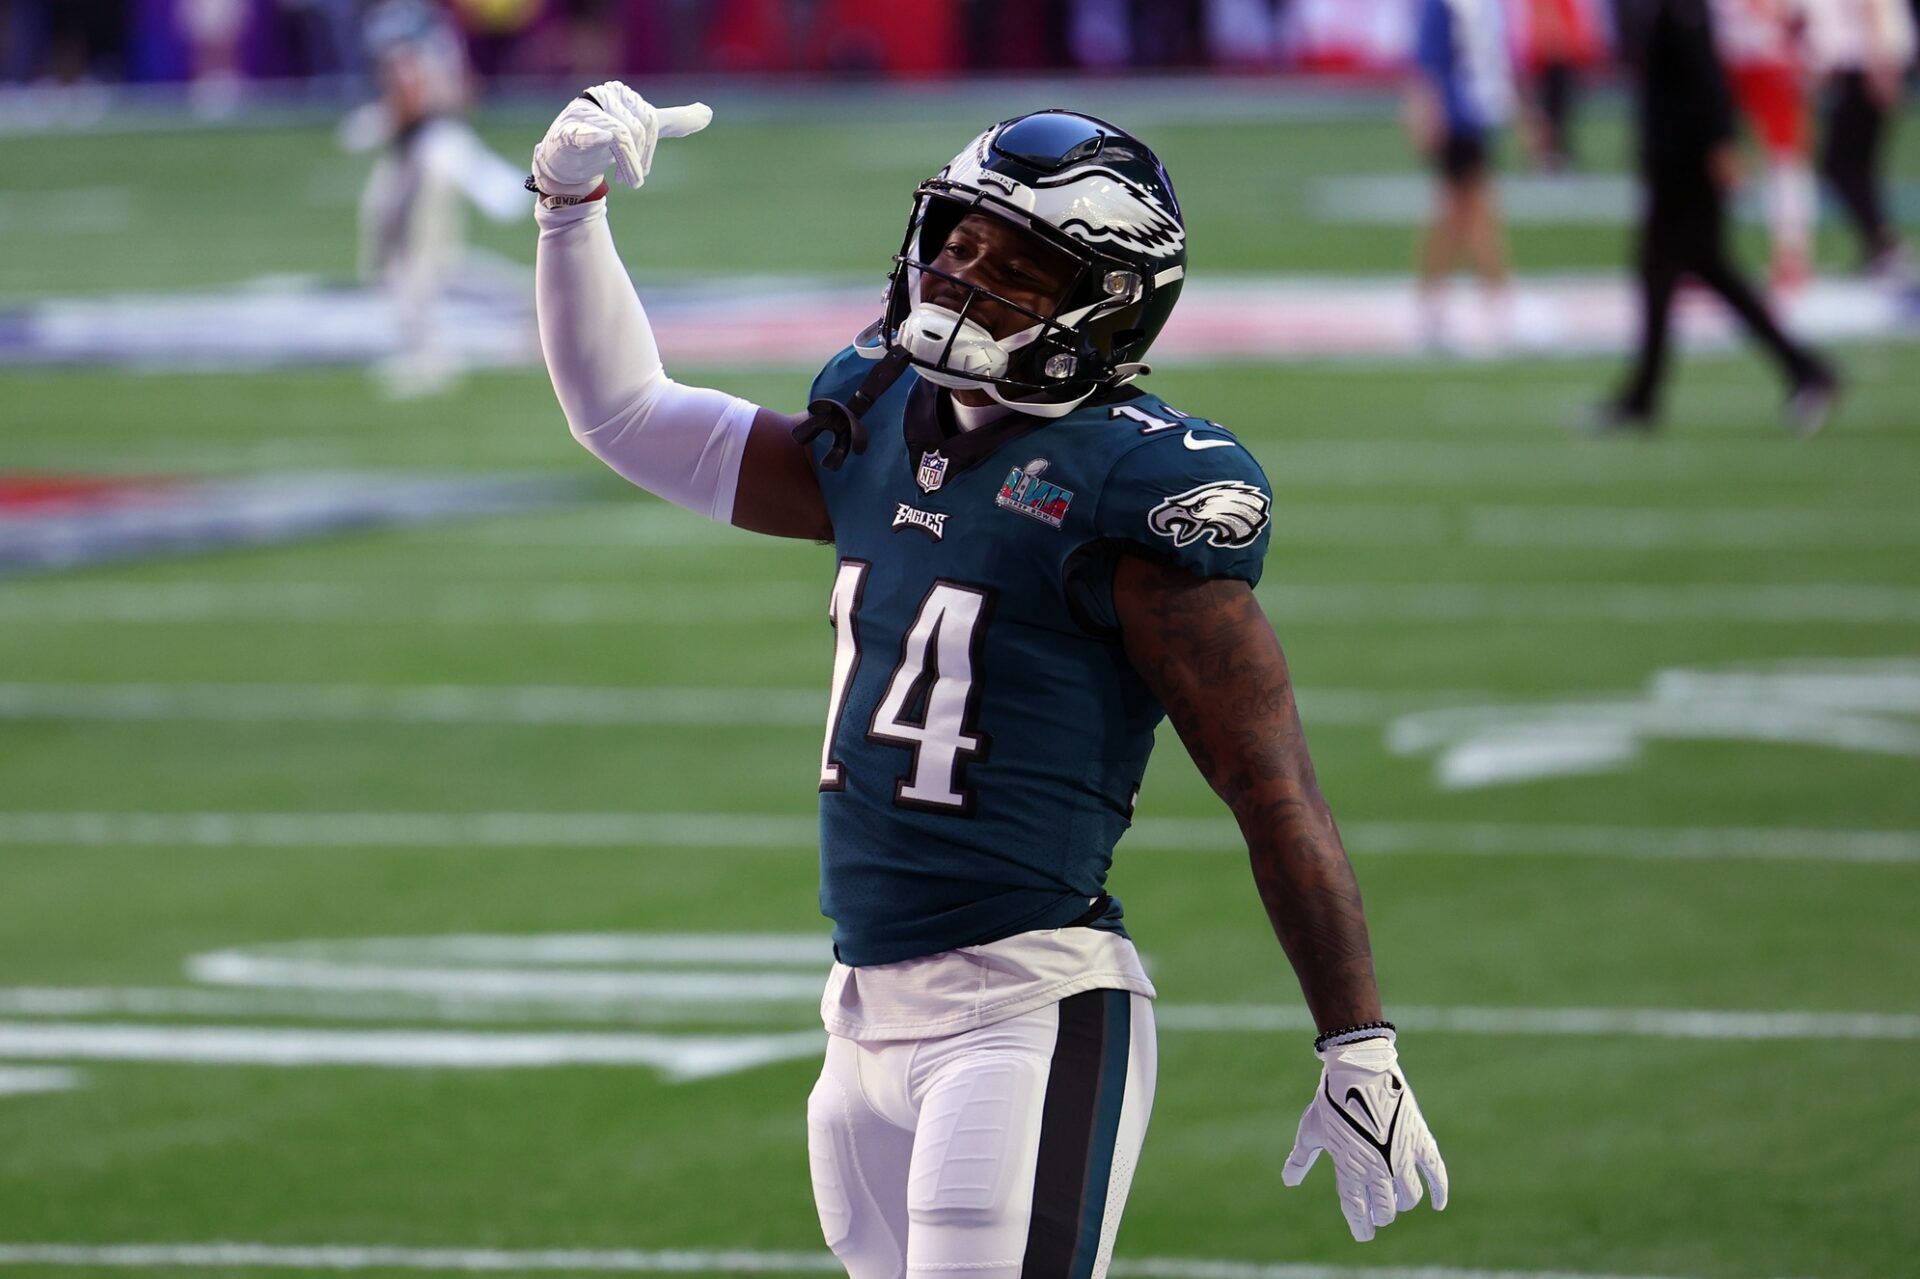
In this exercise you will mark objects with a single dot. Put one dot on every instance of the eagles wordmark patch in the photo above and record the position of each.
(932, 523)
(1227, 513)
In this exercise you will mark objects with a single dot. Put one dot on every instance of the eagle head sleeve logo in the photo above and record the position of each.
(1227, 513)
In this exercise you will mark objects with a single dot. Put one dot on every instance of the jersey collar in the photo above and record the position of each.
(929, 425)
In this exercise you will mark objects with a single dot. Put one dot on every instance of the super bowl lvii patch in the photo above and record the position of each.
(1024, 491)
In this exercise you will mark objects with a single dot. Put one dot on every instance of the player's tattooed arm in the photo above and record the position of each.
(1208, 652)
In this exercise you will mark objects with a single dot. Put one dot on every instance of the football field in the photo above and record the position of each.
(441, 897)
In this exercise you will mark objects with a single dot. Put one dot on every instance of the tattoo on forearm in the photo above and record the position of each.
(1207, 650)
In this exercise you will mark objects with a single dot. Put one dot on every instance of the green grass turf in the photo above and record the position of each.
(806, 195)
(1602, 1154)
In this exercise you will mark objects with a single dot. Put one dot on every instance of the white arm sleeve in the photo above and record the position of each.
(683, 443)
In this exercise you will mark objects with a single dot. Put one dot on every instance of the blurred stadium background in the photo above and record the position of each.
(405, 836)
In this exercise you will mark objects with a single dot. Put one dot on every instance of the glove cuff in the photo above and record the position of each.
(1354, 1034)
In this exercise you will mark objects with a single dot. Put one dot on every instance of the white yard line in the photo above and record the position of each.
(483, 1001)
(19, 1080)
(1655, 1023)
(353, 1257)
(396, 1006)
(441, 830)
(1547, 528)
(1583, 528)
(466, 604)
(679, 1057)
(540, 705)
(416, 704)
(587, 603)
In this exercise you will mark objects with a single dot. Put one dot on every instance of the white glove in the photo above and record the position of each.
(609, 124)
(1365, 1117)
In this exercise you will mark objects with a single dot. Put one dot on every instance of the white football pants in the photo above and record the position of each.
(997, 1153)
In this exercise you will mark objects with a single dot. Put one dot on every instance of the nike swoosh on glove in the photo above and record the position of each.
(609, 124)
(1365, 1118)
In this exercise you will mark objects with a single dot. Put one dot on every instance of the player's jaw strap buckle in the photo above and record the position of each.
(843, 420)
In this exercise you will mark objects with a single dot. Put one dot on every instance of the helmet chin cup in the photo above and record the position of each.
(951, 350)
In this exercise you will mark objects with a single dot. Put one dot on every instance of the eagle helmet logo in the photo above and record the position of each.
(1227, 513)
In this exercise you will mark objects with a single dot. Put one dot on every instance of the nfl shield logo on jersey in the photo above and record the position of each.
(933, 471)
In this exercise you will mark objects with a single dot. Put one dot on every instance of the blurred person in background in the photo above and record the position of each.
(1862, 49)
(495, 30)
(213, 28)
(592, 40)
(1685, 125)
(1243, 33)
(1758, 42)
(1558, 41)
(327, 33)
(1459, 96)
(1100, 34)
(77, 40)
(411, 230)
(23, 39)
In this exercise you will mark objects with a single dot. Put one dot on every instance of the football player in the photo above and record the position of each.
(1458, 99)
(1037, 560)
(412, 237)
(1758, 43)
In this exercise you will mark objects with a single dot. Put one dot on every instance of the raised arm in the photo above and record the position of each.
(708, 451)
(1207, 651)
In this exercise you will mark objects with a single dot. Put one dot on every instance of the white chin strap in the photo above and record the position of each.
(975, 358)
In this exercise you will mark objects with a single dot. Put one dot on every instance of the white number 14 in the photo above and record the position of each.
(935, 677)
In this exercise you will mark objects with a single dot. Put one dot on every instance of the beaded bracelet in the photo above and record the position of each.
(1353, 1034)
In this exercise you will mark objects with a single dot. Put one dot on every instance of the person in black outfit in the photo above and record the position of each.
(1686, 130)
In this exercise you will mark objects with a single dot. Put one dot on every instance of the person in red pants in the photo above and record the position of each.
(1759, 43)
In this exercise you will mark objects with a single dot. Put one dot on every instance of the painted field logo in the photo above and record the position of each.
(1865, 706)
(1024, 491)
(50, 523)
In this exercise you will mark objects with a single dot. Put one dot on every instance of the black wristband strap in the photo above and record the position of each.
(1358, 1031)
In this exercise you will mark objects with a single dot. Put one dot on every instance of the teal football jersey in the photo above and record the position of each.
(986, 734)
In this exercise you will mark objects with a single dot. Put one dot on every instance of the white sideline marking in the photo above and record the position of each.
(1642, 528)
(723, 831)
(582, 603)
(462, 604)
(16, 1081)
(395, 1006)
(572, 706)
(1656, 1023)
(617, 1008)
(535, 967)
(1555, 528)
(676, 1057)
(415, 704)
(677, 1261)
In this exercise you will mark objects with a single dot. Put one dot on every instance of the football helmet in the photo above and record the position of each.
(1089, 190)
